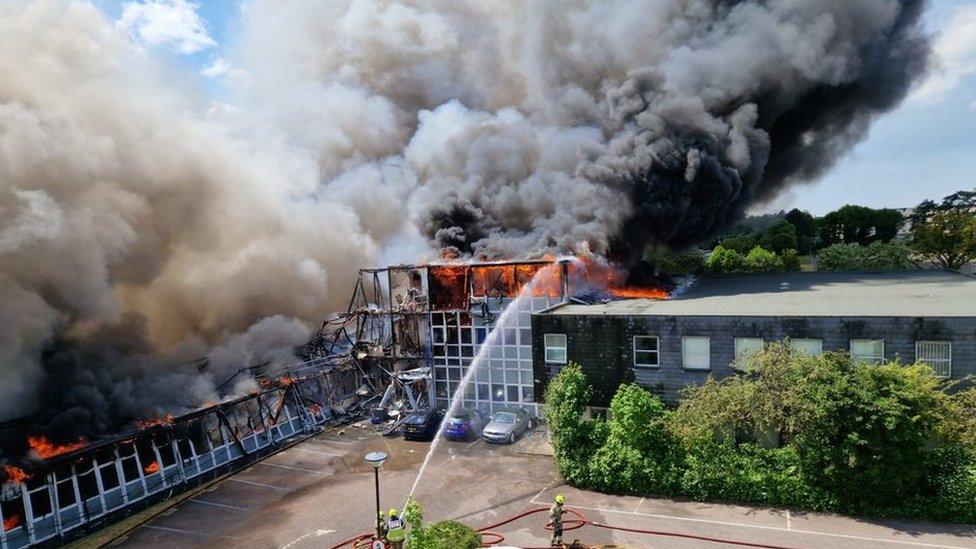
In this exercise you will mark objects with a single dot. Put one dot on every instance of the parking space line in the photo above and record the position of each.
(289, 468)
(470, 445)
(261, 484)
(215, 504)
(187, 532)
(310, 451)
(789, 525)
(333, 440)
(758, 526)
(639, 503)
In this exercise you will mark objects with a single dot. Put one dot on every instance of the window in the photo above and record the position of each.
(745, 346)
(937, 354)
(695, 353)
(645, 351)
(812, 347)
(870, 351)
(555, 348)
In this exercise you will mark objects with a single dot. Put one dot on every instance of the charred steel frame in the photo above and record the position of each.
(73, 494)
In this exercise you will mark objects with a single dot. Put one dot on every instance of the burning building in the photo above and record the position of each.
(436, 318)
(58, 491)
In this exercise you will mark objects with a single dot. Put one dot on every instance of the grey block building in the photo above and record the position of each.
(908, 316)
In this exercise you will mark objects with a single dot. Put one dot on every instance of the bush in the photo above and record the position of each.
(446, 534)
(791, 260)
(877, 256)
(816, 432)
(723, 260)
(761, 260)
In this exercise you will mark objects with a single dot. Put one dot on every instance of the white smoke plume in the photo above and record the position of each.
(140, 226)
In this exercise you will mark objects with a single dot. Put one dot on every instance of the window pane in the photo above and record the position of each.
(555, 348)
(811, 347)
(645, 351)
(867, 350)
(513, 393)
(747, 345)
(695, 352)
(555, 340)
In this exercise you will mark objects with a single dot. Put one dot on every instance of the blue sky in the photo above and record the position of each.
(924, 149)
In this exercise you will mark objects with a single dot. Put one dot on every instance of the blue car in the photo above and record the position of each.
(465, 424)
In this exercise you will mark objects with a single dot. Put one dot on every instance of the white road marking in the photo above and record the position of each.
(789, 525)
(332, 440)
(261, 484)
(215, 504)
(639, 503)
(470, 445)
(331, 454)
(316, 533)
(187, 532)
(759, 526)
(289, 468)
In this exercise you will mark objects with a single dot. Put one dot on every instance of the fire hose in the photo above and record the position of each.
(576, 523)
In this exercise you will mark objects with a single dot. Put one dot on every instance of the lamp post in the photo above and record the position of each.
(375, 460)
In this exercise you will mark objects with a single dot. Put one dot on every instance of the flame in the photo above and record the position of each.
(165, 420)
(634, 293)
(314, 408)
(448, 287)
(151, 468)
(598, 275)
(15, 475)
(45, 449)
(11, 522)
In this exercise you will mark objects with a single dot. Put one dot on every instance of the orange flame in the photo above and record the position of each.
(611, 278)
(15, 475)
(151, 468)
(45, 449)
(165, 420)
(11, 522)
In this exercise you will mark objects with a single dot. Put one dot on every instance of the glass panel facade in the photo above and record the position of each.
(505, 376)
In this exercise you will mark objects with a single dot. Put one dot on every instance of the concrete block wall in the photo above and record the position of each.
(603, 344)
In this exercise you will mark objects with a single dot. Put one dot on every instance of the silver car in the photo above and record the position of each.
(507, 425)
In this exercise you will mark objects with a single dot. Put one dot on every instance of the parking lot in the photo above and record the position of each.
(320, 492)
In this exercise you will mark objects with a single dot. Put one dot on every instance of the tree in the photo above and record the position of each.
(945, 233)
(860, 225)
(779, 237)
(446, 534)
(761, 260)
(877, 256)
(723, 260)
(740, 243)
(807, 229)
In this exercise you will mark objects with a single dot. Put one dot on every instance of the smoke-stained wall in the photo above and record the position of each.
(143, 224)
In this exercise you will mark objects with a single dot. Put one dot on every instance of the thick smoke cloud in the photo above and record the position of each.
(143, 226)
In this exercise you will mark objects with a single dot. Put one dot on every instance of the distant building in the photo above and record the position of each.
(927, 316)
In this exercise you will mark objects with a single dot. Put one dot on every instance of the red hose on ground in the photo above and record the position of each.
(574, 524)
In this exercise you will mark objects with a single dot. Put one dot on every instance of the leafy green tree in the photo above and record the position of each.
(779, 237)
(740, 243)
(807, 229)
(761, 260)
(573, 439)
(945, 233)
(877, 256)
(723, 260)
(791, 260)
(860, 225)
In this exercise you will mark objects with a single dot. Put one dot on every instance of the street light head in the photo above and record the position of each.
(375, 459)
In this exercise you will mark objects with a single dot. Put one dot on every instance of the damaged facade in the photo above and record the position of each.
(907, 316)
(61, 492)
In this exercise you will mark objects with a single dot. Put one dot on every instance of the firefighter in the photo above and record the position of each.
(556, 520)
(394, 530)
(381, 525)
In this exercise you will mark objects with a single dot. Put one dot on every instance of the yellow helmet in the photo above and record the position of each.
(393, 512)
(560, 499)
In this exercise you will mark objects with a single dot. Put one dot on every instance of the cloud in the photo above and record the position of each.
(955, 57)
(221, 69)
(174, 23)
